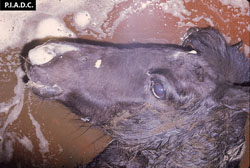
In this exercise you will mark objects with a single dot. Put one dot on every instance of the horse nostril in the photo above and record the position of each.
(26, 79)
(27, 65)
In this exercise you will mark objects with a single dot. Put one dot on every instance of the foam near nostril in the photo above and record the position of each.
(45, 53)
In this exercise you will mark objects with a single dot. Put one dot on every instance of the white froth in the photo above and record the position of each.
(10, 28)
(52, 27)
(13, 109)
(5, 28)
(59, 7)
(176, 8)
(18, 28)
(43, 143)
(26, 143)
(96, 21)
(7, 153)
(5, 106)
(82, 19)
(236, 3)
(211, 23)
(17, 101)
(49, 18)
(44, 53)
(98, 63)
(60, 148)
(145, 4)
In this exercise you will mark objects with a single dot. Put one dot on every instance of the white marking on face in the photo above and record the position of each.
(44, 53)
(98, 63)
(85, 119)
(192, 52)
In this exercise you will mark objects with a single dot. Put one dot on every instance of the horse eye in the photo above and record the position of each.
(158, 90)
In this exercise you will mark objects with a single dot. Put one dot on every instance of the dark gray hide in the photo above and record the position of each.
(164, 105)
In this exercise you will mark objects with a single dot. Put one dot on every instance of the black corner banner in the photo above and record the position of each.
(17, 5)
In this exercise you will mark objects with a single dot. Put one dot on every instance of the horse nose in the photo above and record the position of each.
(44, 53)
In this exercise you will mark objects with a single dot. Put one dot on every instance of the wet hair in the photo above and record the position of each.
(164, 105)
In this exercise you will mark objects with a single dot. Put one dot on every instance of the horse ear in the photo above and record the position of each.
(228, 61)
